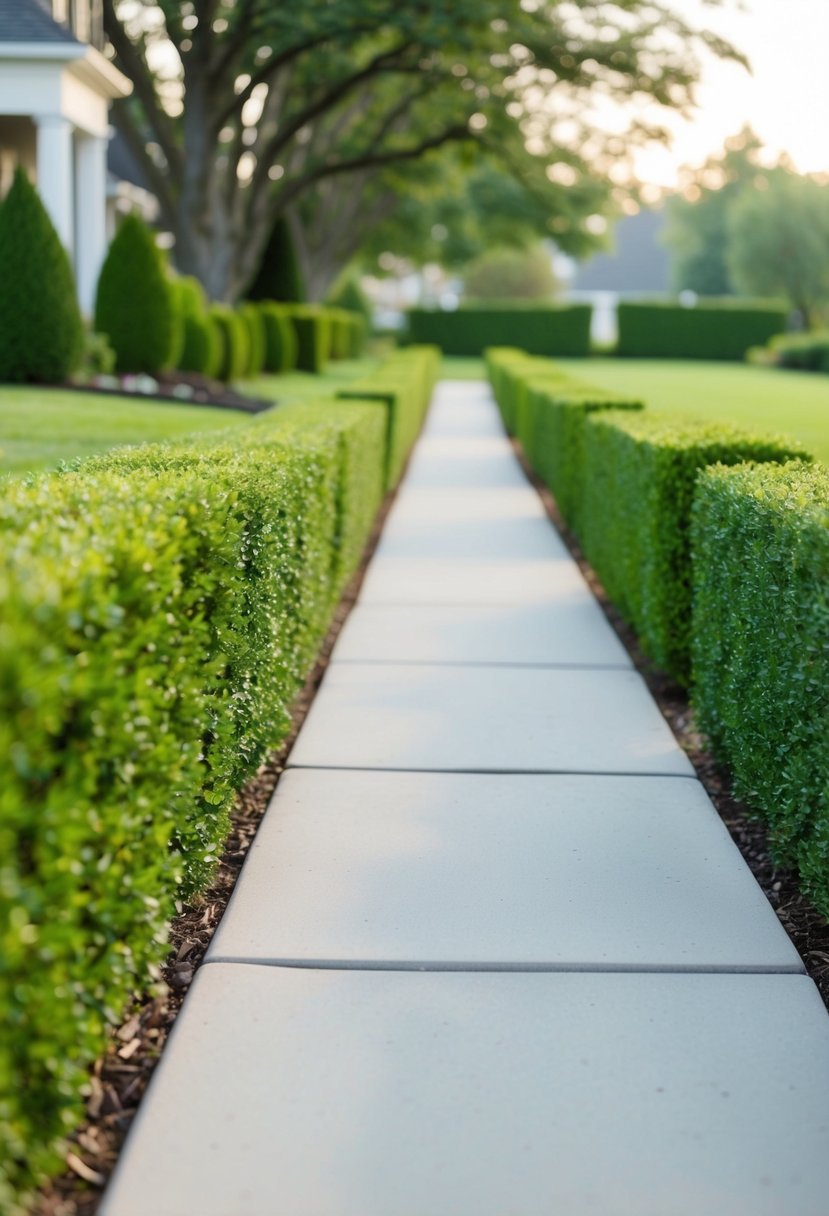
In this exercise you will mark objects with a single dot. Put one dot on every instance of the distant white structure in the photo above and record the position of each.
(56, 87)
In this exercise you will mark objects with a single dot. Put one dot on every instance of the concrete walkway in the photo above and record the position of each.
(493, 952)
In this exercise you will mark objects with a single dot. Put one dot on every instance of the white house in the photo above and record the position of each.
(55, 90)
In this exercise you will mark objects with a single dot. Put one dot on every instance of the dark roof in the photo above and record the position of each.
(31, 21)
(639, 262)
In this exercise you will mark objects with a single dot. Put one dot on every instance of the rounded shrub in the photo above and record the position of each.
(235, 343)
(280, 338)
(201, 342)
(41, 331)
(134, 306)
(257, 341)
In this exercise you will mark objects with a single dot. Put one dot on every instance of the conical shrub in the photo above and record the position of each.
(134, 305)
(279, 276)
(41, 331)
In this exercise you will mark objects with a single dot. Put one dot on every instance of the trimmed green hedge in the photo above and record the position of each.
(711, 329)
(201, 344)
(540, 330)
(404, 383)
(546, 410)
(159, 609)
(761, 649)
(802, 352)
(281, 346)
(641, 470)
(313, 333)
(254, 322)
(235, 343)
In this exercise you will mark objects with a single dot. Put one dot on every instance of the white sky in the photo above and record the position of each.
(786, 99)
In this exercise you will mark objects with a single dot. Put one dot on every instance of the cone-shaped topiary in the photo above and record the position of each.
(347, 293)
(279, 276)
(41, 331)
(134, 307)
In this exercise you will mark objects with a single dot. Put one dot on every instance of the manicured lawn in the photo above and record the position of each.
(41, 427)
(455, 367)
(767, 399)
(302, 386)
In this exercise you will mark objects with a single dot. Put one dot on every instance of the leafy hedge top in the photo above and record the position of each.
(41, 332)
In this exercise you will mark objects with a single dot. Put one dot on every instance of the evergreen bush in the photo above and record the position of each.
(134, 305)
(281, 347)
(41, 331)
(235, 356)
(200, 347)
(257, 338)
(279, 276)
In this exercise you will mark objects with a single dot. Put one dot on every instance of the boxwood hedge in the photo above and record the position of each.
(760, 541)
(159, 608)
(641, 471)
(404, 383)
(712, 329)
(540, 329)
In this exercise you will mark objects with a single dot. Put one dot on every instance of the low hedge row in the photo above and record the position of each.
(711, 329)
(807, 352)
(540, 330)
(547, 410)
(624, 480)
(637, 491)
(404, 383)
(159, 609)
(714, 543)
(761, 648)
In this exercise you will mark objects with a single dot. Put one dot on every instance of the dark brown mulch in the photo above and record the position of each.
(121, 1077)
(807, 927)
(179, 388)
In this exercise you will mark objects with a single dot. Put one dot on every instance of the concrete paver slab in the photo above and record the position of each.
(487, 719)
(330, 1093)
(569, 633)
(455, 579)
(466, 870)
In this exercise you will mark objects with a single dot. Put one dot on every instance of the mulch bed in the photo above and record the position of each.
(179, 388)
(120, 1078)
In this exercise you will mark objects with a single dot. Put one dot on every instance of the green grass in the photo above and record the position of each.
(763, 398)
(300, 386)
(39, 428)
(456, 367)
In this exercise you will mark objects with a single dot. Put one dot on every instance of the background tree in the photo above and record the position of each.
(243, 108)
(696, 229)
(778, 243)
(510, 274)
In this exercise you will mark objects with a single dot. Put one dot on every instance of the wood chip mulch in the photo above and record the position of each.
(120, 1078)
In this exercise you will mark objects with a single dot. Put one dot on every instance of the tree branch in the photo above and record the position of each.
(158, 181)
(135, 68)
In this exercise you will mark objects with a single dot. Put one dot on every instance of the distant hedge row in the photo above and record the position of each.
(404, 383)
(806, 352)
(714, 543)
(160, 607)
(711, 329)
(540, 330)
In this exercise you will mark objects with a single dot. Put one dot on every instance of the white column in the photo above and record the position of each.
(54, 173)
(91, 219)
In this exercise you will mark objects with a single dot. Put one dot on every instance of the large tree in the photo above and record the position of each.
(779, 243)
(696, 232)
(244, 109)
